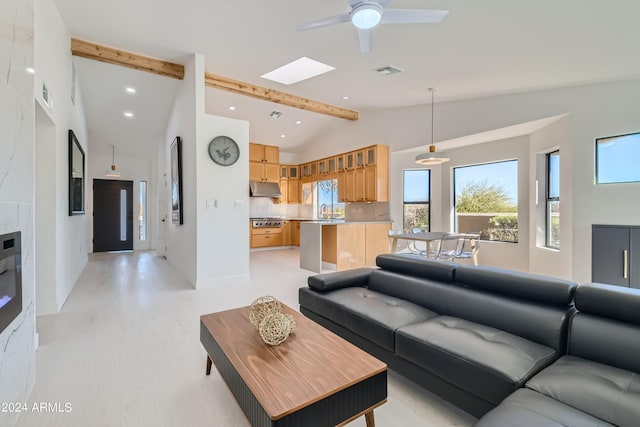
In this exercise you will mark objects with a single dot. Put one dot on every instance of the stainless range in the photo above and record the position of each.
(266, 222)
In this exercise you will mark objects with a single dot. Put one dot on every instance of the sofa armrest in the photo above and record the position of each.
(340, 279)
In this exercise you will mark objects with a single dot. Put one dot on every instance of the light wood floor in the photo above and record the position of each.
(125, 350)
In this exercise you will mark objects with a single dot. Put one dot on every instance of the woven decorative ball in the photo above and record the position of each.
(276, 327)
(262, 307)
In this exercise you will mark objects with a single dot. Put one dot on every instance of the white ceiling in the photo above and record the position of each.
(481, 48)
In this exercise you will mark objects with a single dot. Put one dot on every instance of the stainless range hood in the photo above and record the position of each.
(264, 189)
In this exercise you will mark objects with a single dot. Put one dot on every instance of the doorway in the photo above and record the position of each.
(112, 215)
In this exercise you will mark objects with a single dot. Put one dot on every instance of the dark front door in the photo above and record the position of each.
(112, 215)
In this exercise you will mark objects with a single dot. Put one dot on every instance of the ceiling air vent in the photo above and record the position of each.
(388, 69)
(275, 114)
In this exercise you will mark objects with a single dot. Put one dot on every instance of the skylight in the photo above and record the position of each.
(301, 69)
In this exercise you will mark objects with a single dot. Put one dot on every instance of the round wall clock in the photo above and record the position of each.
(224, 150)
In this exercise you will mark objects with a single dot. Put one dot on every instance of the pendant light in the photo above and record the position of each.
(432, 157)
(113, 173)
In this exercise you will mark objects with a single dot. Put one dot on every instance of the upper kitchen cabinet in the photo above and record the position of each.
(265, 172)
(263, 163)
(368, 179)
(264, 153)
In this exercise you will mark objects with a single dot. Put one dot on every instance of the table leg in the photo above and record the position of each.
(368, 417)
(209, 362)
(394, 244)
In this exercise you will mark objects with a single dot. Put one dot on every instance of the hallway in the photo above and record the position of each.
(125, 350)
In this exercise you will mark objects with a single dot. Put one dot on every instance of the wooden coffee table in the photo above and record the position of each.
(314, 378)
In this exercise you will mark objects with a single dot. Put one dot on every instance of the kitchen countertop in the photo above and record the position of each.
(326, 221)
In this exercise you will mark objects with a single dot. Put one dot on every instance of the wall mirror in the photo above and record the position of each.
(76, 176)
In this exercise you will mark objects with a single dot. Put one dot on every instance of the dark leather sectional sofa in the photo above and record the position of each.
(490, 340)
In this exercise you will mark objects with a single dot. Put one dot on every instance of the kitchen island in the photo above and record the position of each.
(345, 244)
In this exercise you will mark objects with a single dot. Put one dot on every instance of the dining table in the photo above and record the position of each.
(425, 236)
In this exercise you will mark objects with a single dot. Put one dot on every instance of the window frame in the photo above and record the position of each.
(428, 202)
(453, 181)
(549, 199)
(597, 159)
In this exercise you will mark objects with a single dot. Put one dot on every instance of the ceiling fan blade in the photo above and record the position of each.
(412, 16)
(366, 40)
(332, 20)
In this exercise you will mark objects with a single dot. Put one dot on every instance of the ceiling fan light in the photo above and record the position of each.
(366, 16)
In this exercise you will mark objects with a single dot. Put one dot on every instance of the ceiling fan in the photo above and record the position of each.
(366, 14)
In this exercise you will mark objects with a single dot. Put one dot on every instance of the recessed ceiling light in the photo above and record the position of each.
(301, 69)
(130, 89)
(232, 108)
(298, 122)
(345, 97)
(30, 70)
(128, 114)
(283, 136)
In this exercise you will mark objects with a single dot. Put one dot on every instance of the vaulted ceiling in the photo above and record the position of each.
(481, 48)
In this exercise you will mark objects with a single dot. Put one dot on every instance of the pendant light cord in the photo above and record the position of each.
(432, 115)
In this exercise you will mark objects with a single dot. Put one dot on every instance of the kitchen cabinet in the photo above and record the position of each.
(295, 233)
(265, 237)
(342, 187)
(615, 255)
(340, 165)
(263, 163)
(366, 175)
(265, 172)
(293, 191)
(348, 245)
(350, 186)
(264, 153)
(286, 233)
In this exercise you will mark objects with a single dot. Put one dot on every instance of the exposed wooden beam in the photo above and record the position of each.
(273, 95)
(90, 50)
(111, 55)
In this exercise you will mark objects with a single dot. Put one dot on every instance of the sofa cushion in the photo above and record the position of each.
(484, 361)
(603, 391)
(526, 408)
(340, 279)
(417, 267)
(527, 286)
(606, 341)
(370, 314)
(612, 302)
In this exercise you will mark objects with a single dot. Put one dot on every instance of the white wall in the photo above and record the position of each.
(223, 231)
(596, 110)
(17, 341)
(543, 260)
(131, 169)
(181, 240)
(53, 63)
(213, 243)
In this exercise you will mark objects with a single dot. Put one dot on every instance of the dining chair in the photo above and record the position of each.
(416, 247)
(470, 247)
(449, 246)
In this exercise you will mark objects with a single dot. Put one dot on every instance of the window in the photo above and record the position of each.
(327, 197)
(416, 195)
(486, 200)
(617, 159)
(552, 239)
(142, 211)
